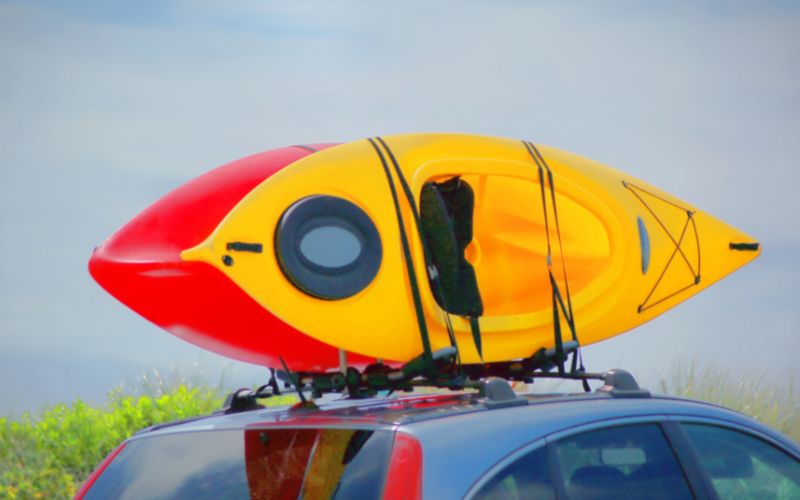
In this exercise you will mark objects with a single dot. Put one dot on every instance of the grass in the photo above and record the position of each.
(774, 404)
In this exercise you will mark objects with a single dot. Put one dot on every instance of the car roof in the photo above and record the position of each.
(551, 411)
(464, 434)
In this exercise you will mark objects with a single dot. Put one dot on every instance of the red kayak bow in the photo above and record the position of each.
(140, 266)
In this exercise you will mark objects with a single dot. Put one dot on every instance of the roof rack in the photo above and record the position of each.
(621, 384)
(618, 383)
(491, 380)
(498, 393)
(240, 400)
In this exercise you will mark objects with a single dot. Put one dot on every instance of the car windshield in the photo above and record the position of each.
(257, 464)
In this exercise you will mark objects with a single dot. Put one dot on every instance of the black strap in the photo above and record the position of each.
(559, 307)
(559, 344)
(412, 277)
(475, 326)
(577, 358)
(557, 327)
(430, 266)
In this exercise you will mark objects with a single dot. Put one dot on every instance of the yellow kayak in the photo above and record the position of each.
(502, 225)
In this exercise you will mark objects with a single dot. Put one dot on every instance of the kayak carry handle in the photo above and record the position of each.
(241, 246)
(744, 247)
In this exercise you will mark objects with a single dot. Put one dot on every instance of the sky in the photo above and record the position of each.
(107, 106)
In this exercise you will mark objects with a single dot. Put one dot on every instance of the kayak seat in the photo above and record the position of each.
(446, 211)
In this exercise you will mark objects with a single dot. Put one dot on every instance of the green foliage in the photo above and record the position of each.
(47, 456)
(774, 404)
(50, 454)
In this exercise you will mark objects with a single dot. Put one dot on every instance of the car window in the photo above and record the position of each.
(526, 477)
(251, 464)
(743, 466)
(622, 462)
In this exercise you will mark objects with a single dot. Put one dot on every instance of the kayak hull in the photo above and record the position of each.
(620, 251)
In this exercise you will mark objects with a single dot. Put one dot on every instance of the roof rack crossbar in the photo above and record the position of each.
(490, 379)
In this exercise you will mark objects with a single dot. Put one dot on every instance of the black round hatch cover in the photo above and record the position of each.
(328, 247)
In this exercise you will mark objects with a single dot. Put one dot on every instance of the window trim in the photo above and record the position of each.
(556, 474)
(690, 460)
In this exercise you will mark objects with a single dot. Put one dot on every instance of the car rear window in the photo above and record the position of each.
(257, 464)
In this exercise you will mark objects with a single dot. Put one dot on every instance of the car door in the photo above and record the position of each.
(615, 459)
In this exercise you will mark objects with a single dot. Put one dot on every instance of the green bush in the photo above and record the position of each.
(50, 454)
